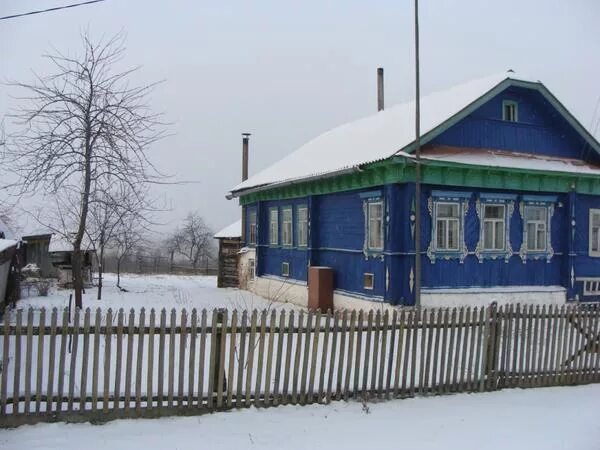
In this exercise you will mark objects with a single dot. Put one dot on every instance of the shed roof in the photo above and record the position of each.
(391, 131)
(230, 231)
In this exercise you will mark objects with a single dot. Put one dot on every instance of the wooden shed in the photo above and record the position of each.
(230, 241)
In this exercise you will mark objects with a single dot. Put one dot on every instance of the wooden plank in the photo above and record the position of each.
(365, 368)
(95, 362)
(150, 368)
(596, 347)
(575, 356)
(516, 319)
(351, 338)
(375, 353)
(241, 360)
(119, 359)
(250, 363)
(107, 358)
(4, 373)
(436, 318)
(73, 360)
(592, 344)
(324, 354)
(410, 325)
(17, 362)
(202, 358)
(560, 345)
(472, 343)
(506, 345)
(28, 362)
(544, 356)
(572, 314)
(342, 353)
(212, 362)
(484, 348)
(182, 351)
(305, 357)
(451, 352)
(280, 336)
(479, 349)
(40, 361)
(332, 354)
(459, 350)
(423, 351)
(231, 367)
(171, 368)
(192, 358)
(428, 356)
(392, 347)
(288, 357)
(129, 360)
(441, 388)
(221, 356)
(534, 346)
(313, 360)
(550, 367)
(357, 357)
(51, 363)
(139, 366)
(585, 344)
(491, 350)
(522, 347)
(260, 360)
(161, 359)
(399, 353)
(413, 357)
(297, 354)
(382, 359)
(84, 360)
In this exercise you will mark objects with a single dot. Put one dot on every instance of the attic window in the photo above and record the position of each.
(510, 111)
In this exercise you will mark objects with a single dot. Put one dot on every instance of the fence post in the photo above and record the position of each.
(493, 334)
(220, 335)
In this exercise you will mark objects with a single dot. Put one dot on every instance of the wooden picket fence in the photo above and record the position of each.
(131, 366)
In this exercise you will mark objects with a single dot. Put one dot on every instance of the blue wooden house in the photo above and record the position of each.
(510, 203)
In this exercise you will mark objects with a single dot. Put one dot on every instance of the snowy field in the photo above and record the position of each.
(546, 418)
(157, 291)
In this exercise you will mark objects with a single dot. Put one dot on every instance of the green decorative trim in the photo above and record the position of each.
(401, 170)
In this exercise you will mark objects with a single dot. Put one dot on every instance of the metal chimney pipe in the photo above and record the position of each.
(245, 139)
(380, 89)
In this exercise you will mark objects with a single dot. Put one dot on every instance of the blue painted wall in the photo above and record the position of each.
(540, 129)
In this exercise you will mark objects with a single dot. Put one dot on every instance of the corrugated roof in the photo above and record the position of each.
(231, 231)
(375, 137)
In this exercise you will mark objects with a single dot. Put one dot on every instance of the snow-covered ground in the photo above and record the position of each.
(157, 291)
(546, 418)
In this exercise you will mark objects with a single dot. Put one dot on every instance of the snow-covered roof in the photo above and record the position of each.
(231, 231)
(506, 159)
(7, 243)
(59, 243)
(384, 134)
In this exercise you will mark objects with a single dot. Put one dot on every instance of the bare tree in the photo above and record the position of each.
(128, 239)
(82, 126)
(193, 240)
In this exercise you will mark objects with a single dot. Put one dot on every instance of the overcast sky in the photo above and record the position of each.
(288, 71)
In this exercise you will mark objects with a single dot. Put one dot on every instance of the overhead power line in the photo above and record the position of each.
(31, 13)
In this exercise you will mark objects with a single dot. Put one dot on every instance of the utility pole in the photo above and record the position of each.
(417, 165)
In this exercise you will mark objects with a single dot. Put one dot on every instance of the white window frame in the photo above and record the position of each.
(370, 228)
(302, 225)
(368, 277)
(438, 219)
(274, 226)
(252, 227)
(537, 223)
(515, 111)
(591, 252)
(287, 226)
(495, 222)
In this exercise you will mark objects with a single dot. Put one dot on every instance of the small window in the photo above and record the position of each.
(286, 227)
(447, 226)
(493, 227)
(368, 280)
(252, 228)
(251, 269)
(302, 228)
(285, 269)
(375, 225)
(510, 111)
(274, 226)
(536, 219)
(594, 245)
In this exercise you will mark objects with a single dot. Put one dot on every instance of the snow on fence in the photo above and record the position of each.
(136, 366)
